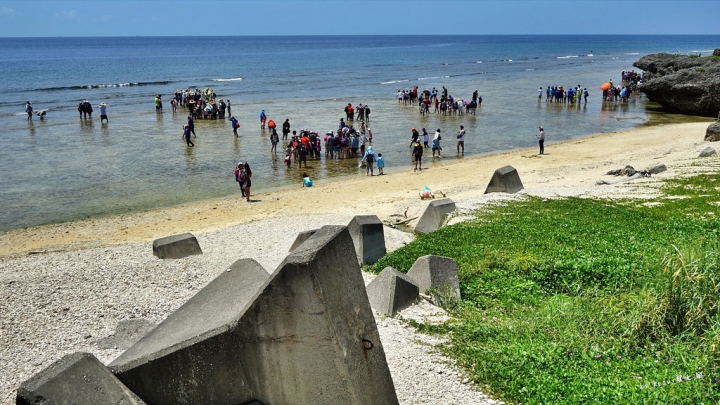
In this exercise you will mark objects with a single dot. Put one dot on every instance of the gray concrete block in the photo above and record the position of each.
(434, 215)
(176, 246)
(392, 291)
(505, 180)
(76, 379)
(438, 276)
(368, 237)
(707, 152)
(127, 332)
(302, 237)
(657, 169)
(303, 335)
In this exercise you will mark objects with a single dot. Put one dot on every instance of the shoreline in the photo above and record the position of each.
(594, 155)
(96, 273)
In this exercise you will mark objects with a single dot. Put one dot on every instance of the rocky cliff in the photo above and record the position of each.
(682, 83)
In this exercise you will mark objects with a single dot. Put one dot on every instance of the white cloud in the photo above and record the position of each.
(7, 11)
(66, 14)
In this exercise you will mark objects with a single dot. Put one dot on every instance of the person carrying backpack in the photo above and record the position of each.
(417, 152)
(369, 159)
(302, 152)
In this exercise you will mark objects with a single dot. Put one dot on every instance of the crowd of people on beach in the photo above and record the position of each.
(443, 102)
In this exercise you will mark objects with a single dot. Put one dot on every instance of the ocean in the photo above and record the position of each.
(65, 168)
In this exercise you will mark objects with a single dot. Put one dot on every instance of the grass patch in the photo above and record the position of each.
(572, 300)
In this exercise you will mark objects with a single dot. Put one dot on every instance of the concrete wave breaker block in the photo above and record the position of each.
(303, 335)
(302, 237)
(434, 215)
(176, 246)
(76, 379)
(368, 237)
(392, 291)
(437, 275)
(707, 152)
(505, 180)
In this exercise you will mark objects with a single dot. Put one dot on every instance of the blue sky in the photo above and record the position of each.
(49, 18)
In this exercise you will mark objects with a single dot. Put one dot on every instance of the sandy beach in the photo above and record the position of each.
(65, 286)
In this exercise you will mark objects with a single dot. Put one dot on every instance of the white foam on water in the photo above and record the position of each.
(395, 81)
(235, 79)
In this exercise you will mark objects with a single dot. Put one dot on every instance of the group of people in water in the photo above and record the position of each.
(558, 94)
(201, 104)
(443, 102)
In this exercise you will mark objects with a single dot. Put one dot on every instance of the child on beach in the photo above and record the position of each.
(263, 118)
(306, 180)
(436, 144)
(288, 156)
(380, 164)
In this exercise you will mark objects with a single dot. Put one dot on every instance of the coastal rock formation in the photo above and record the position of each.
(682, 83)
(712, 134)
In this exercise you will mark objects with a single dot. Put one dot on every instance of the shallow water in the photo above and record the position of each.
(66, 168)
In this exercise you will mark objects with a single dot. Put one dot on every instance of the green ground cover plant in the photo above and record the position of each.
(575, 300)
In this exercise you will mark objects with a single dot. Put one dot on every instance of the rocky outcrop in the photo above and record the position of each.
(682, 83)
(712, 134)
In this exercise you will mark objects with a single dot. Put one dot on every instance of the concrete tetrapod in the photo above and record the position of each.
(176, 246)
(76, 379)
(707, 152)
(392, 291)
(301, 238)
(505, 180)
(437, 275)
(303, 335)
(368, 237)
(434, 215)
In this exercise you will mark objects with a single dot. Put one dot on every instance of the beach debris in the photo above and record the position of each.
(629, 171)
(637, 175)
(505, 180)
(657, 169)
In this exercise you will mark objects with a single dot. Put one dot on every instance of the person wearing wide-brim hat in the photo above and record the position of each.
(103, 113)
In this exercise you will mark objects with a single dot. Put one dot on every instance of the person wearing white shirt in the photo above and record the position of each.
(461, 140)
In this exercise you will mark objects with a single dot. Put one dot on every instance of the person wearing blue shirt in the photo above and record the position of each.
(306, 181)
(380, 164)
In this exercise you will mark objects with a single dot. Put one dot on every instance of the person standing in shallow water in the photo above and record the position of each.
(186, 135)
(103, 113)
(247, 182)
(541, 140)
(263, 118)
(29, 110)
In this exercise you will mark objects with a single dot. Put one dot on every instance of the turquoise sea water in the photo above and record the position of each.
(64, 168)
